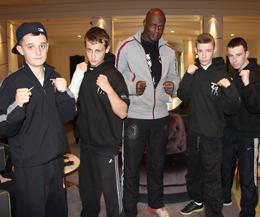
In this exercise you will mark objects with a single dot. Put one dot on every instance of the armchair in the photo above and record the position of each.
(5, 204)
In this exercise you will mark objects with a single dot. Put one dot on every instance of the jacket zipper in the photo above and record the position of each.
(154, 92)
(198, 143)
(154, 102)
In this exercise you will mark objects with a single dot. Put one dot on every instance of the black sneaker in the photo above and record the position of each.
(227, 203)
(191, 208)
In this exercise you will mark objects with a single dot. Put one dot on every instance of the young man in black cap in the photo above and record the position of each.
(34, 105)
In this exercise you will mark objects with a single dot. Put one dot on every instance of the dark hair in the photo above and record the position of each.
(205, 38)
(237, 42)
(97, 35)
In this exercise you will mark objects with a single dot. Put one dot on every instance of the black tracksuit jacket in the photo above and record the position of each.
(207, 101)
(99, 127)
(35, 131)
(246, 122)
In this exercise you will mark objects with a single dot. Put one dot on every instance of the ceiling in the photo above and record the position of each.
(66, 19)
(185, 27)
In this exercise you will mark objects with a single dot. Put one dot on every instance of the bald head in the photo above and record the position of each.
(155, 12)
(153, 25)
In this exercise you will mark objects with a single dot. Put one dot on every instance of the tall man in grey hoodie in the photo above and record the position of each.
(149, 67)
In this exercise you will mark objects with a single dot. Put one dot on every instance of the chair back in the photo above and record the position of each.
(5, 207)
(2, 157)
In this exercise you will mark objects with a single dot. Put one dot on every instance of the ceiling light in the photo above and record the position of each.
(79, 36)
(172, 31)
(232, 34)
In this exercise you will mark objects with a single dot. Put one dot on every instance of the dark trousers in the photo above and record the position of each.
(244, 152)
(39, 190)
(204, 156)
(99, 173)
(141, 134)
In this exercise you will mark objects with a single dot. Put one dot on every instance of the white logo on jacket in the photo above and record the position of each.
(214, 89)
(149, 61)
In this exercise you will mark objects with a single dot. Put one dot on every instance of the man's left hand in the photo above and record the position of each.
(103, 83)
(168, 87)
(60, 84)
(244, 74)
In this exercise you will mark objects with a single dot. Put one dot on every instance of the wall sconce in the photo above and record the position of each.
(213, 27)
(101, 23)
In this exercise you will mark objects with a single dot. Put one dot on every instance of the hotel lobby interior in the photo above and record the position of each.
(67, 21)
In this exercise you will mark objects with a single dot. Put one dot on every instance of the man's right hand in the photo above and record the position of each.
(83, 67)
(140, 87)
(192, 68)
(224, 82)
(3, 179)
(22, 96)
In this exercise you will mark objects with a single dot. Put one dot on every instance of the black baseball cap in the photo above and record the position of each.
(26, 28)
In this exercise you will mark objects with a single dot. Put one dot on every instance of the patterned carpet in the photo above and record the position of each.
(174, 205)
(74, 207)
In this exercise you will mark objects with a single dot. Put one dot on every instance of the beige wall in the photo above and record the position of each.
(254, 49)
(59, 54)
(3, 50)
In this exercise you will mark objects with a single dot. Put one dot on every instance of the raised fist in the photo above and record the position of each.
(22, 96)
(83, 67)
(60, 84)
(168, 87)
(244, 74)
(140, 87)
(192, 68)
(224, 82)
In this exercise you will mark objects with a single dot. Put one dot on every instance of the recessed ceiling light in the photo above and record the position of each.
(172, 31)
(232, 34)
(79, 36)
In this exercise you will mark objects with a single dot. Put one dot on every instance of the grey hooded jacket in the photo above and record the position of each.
(131, 62)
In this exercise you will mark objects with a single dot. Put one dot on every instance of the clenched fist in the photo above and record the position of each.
(168, 87)
(192, 68)
(60, 84)
(140, 87)
(224, 82)
(245, 76)
(83, 67)
(103, 83)
(22, 96)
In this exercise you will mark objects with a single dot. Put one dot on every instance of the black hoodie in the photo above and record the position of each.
(100, 128)
(208, 101)
(246, 122)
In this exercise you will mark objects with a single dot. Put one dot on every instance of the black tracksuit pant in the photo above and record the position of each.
(204, 156)
(99, 173)
(244, 151)
(40, 191)
(141, 134)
